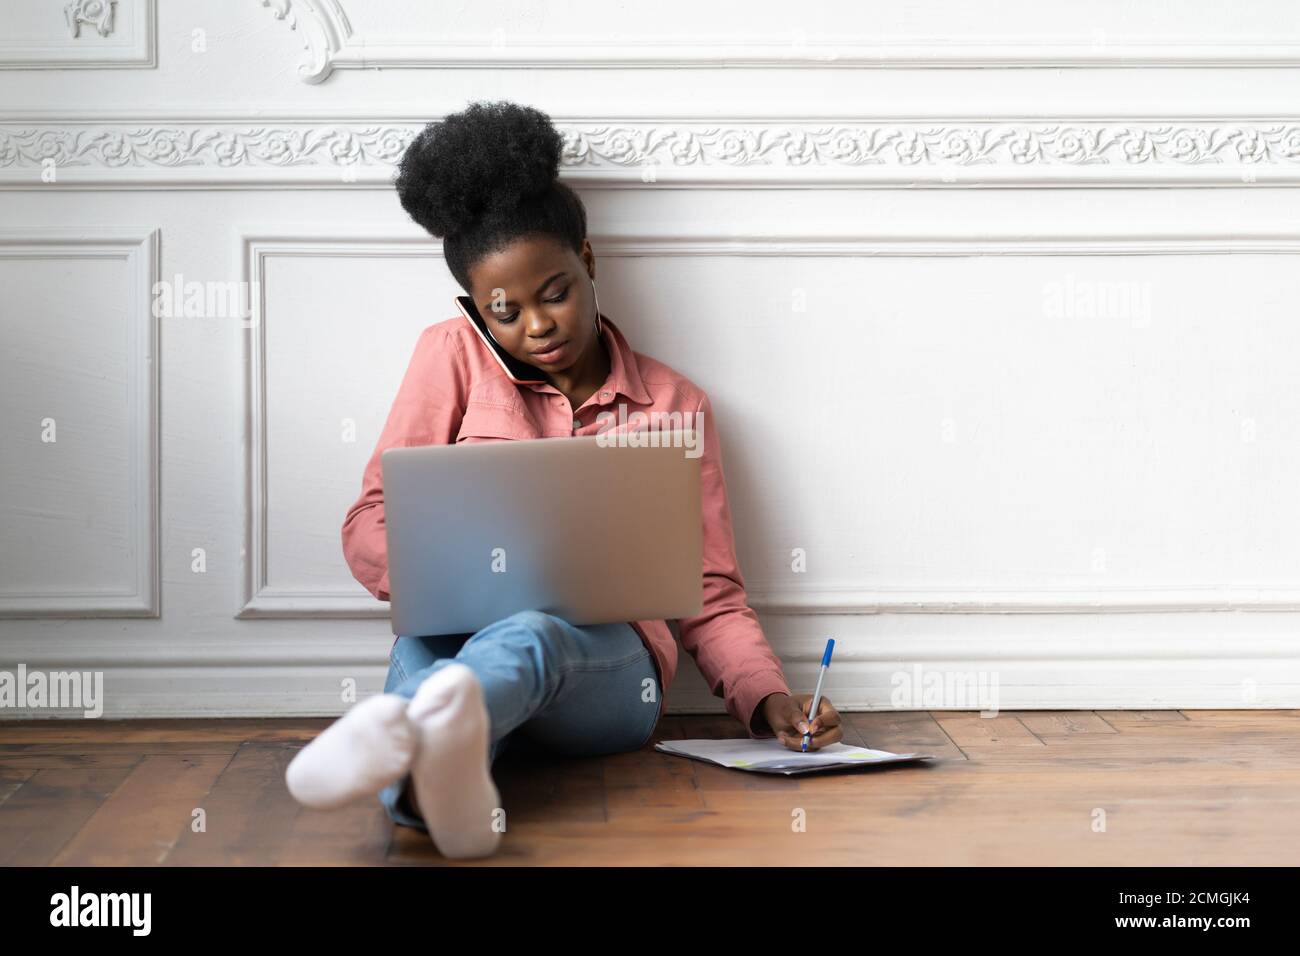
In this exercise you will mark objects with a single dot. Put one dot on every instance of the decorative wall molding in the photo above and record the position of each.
(117, 34)
(330, 43)
(97, 14)
(141, 255)
(259, 598)
(261, 242)
(252, 152)
(203, 154)
(324, 32)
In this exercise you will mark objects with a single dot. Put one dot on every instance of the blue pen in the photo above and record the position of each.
(817, 694)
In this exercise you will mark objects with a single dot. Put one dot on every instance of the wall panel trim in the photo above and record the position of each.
(260, 242)
(329, 43)
(140, 251)
(813, 152)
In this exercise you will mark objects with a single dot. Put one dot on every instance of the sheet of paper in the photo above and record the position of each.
(771, 755)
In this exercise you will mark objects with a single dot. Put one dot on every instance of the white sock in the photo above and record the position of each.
(365, 750)
(450, 773)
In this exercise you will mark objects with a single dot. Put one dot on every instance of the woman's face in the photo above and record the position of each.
(536, 294)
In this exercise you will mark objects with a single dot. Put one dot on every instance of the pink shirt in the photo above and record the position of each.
(454, 391)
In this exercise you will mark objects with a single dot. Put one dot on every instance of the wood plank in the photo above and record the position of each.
(649, 779)
(904, 731)
(968, 731)
(1045, 826)
(1272, 716)
(144, 817)
(161, 730)
(70, 761)
(1060, 723)
(534, 787)
(1117, 717)
(50, 808)
(11, 780)
(349, 836)
(1022, 788)
(250, 813)
(136, 748)
(1156, 747)
(1283, 720)
(538, 786)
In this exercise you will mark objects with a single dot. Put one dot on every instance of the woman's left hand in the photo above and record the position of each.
(788, 718)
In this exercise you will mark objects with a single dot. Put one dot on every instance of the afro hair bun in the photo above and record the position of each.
(489, 156)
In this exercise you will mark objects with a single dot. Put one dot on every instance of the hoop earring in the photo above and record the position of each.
(593, 295)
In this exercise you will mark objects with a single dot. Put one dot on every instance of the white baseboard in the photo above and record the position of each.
(1226, 660)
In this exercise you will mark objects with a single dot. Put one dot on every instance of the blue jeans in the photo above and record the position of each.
(578, 691)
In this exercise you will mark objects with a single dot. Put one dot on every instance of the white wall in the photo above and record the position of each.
(996, 304)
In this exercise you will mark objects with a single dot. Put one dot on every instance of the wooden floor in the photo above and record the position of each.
(1031, 787)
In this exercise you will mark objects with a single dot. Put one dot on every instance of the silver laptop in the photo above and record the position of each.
(591, 532)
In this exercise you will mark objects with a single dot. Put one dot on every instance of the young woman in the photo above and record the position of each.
(486, 181)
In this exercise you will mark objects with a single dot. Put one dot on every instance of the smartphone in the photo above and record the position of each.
(521, 373)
